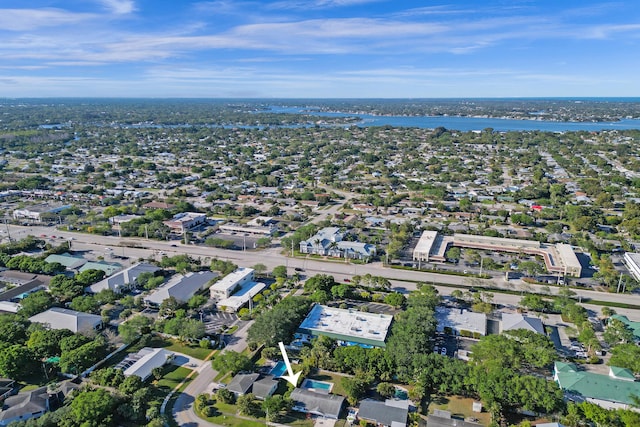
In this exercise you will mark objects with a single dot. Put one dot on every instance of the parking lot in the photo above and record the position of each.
(217, 321)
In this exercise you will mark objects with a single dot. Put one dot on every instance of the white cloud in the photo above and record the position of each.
(32, 19)
(119, 7)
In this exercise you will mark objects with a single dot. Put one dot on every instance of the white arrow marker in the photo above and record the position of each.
(292, 378)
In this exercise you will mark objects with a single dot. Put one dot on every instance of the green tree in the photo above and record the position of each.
(386, 390)
(130, 384)
(16, 361)
(132, 329)
(35, 303)
(617, 332)
(280, 271)
(232, 361)
(247, 405)
(46, 342)
(354, 387)
(13, 328)
(225, 396)
(93, 408)
(275, 407)
(626, 356)
(64, 288)
(395, 299)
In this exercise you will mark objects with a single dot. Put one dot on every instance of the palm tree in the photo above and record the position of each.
(317, 242)
(332, 247)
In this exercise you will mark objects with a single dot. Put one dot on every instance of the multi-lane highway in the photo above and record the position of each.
(403, 280)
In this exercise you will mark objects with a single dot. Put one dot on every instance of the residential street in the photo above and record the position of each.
(183, 411)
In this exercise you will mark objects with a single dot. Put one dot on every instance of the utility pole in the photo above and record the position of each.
(292, 248)
(146, 231)
(619, 283)
(481, 262)
(8, 232)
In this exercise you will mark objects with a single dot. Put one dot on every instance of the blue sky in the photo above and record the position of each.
(319, 48)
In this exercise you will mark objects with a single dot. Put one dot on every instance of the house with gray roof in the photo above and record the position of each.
(63, 318)
(123, 280)
(181, 287)
(241, 384)
(35, 403)
(24, 406)
(265, 387)
(513, 321)
(321, 404)
(390, 413)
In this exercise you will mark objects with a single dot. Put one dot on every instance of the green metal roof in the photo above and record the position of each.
(108, 268)
(622, 373)
(634, 326)
(595, 386)
(69, 261)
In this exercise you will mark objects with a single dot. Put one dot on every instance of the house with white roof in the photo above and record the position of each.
(123, 280)
(63, 318)
(181, 287)
(145, 361)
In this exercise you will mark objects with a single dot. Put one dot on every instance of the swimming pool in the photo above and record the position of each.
(279, 369)
(319, 386)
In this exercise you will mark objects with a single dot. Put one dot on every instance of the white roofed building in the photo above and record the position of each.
(185, 221)
(348, 327)
(230, 283)
(242, 296)
(632, 261)
(63, 318)
(144, 362)
(457, 320)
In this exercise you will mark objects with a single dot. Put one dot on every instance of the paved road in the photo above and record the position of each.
(106, 246)
(183, 411)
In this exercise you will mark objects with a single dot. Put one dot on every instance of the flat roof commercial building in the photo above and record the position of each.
(632, 261)
(185, 221)
(425, 245)
(349, 327)
(242, 296)
(226, 286)
(558, 258)
(37, 212)
(457, 320)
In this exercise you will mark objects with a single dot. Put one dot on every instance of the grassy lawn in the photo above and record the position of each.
(227, 416)
(459, 407)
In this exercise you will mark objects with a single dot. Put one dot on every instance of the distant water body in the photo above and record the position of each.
(467, 123)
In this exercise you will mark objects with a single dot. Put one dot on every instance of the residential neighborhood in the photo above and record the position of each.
(315, 275)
